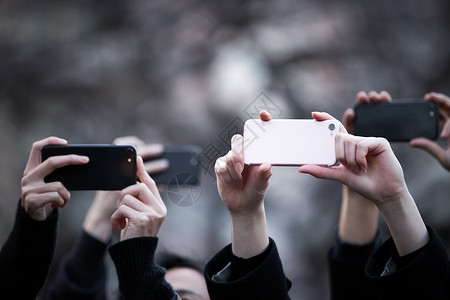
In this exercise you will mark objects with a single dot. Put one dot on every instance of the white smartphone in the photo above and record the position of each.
(290, 142)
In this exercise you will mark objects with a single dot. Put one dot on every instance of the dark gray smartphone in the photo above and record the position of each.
(110, 167)
(183, 166)
(398, 121)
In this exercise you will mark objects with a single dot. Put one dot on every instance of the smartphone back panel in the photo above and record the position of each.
(183, 168)
(110, 167)
(290, 142)
(398, 121)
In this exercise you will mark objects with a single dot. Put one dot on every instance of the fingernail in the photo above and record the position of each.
(239, 167)
(158, 148)
(164, 163)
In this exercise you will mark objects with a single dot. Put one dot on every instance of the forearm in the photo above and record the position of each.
(26, 256)
(98, 229)
(139, 276)
(249, 235)
(358, 221)
(97, 222)
(405, 224)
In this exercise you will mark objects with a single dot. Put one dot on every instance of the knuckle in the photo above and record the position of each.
(151, 181)
(36, 145)
(51, 162)
(142, 220)
(24, 181)
(220, 163)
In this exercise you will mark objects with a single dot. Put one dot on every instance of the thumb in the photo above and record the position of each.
(118, 221)
(322, 172)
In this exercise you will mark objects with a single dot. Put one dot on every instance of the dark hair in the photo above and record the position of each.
(169, 261)
(172, 260)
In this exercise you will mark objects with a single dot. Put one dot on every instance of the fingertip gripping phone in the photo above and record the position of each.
(290, 142)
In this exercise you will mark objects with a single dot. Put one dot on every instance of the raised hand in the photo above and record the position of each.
(242, 189)
(441, 154)
(370, 168)
(140, 209)
(98, 218)
(38, 197)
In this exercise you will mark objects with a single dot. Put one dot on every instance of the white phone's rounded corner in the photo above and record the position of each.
(336, 163)
(248, 121)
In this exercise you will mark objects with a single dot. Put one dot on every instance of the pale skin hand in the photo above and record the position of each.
(38, 197)
(370, 168)
(358, 220)
(441, 154)
(98, 219)
(140, 209)
(242, 189)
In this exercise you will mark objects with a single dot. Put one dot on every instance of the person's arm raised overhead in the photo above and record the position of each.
(250, 267)
(357, 234)
(370, 168)
(139, 215)
(82, 272)
(26, 256)
(358, 221)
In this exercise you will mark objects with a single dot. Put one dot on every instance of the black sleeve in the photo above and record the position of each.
(27, 254)
(346, 264)
(82, 274)
(139, 276)
(425, 274)
(260, 277)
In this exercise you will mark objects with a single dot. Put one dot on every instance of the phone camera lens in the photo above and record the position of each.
(130, 154)
(331, 127)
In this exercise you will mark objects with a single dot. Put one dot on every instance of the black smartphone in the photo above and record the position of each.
(183, 166)
(110, 167)
(398, 121)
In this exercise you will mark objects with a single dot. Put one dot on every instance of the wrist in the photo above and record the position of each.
(358, 221)
(98, 228)
(405, 224)
(249, 235)
(248, 216)
(398, 203)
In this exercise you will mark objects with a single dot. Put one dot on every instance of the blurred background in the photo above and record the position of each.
(190, 72)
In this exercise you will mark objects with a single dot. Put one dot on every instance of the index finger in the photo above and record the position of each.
(150, 150)
(144, 177)
(35, 157)
(322, 116)
(128, 140)
(237, 148)
(265, 115)
(54, 162)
